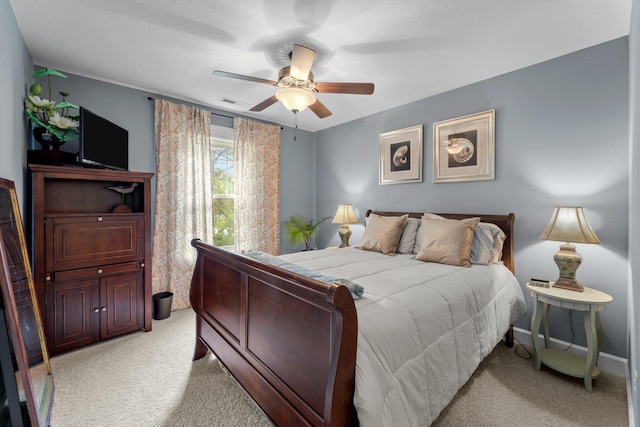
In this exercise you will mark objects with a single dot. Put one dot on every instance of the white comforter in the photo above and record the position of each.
(423, 328)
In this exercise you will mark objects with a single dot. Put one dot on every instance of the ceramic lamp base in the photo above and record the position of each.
(568, 261)
(344, 232)
(571, 285)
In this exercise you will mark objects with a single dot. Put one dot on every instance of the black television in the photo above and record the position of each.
(102, 144)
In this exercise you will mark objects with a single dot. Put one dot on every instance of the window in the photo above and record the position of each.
(222, 185)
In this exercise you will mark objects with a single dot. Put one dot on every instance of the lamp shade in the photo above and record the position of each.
(345, 215)
(295, 98)
(569, 224)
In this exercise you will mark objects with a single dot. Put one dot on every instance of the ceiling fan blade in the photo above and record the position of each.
(301, 61)
(339, 87)
(320, 110)
(241, 77)
(264, 104)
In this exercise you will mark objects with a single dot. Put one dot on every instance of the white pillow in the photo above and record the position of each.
(408, 238)
(488, 240)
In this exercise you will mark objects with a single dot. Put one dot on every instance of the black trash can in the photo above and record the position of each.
(162, 305)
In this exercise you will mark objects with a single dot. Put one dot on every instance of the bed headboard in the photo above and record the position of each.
(505, 222)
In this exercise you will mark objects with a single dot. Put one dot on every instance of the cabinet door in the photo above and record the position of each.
(87, 241)
(122, 304)
(73, 318)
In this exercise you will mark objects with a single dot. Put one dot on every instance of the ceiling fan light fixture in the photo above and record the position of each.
(295, 98)
(301, 60)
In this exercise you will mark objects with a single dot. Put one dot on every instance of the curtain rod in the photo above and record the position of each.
(215, 114)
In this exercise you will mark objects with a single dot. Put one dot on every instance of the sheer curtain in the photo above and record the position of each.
(257, 186)
(184, 206)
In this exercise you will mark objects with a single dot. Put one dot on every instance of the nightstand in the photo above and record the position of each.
(591, 302)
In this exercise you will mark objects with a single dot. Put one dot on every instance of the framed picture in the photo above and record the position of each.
(464, 148)
(401, 156)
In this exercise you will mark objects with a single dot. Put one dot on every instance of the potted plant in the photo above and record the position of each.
(53, 122)
(301, 230)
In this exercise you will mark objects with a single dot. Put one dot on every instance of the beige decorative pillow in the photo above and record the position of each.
(382, 233)
(446, 241)
(427, 215)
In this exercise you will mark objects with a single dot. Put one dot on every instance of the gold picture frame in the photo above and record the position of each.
(401, 156)
(34, 380)
(464, 148)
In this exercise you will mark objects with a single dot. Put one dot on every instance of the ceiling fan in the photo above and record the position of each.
(296, 87)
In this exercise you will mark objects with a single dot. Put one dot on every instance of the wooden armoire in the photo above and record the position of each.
(92, 264)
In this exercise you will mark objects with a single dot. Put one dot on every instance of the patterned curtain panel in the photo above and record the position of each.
(257, 186)
(184, 206)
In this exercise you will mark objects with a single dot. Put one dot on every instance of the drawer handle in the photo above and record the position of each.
(47, 278)
(99, 271)
(96, 310)
(142, 265)
(104, 308)
(99, 219)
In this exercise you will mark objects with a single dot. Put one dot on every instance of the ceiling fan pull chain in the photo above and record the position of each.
(295, 123)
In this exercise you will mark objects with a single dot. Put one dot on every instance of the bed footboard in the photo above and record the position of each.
(290, 341)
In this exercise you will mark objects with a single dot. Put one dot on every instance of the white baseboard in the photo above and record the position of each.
(606, 362)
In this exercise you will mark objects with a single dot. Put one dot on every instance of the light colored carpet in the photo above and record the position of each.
(148, 379)
(505, 390)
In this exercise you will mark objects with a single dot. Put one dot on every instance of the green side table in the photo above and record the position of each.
(591, 302)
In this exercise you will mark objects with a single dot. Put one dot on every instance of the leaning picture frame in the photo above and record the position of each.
(401, 156)
(464, 148)
(29, 361)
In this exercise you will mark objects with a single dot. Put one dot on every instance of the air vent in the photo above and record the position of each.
(234, 102)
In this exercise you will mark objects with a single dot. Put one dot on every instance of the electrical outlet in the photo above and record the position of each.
(634, 381)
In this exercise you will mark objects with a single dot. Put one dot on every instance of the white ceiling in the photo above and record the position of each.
(410, 49)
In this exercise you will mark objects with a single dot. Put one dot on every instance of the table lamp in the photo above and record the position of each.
(345, 216)
(568, 224)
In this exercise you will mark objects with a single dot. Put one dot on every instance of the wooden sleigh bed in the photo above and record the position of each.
(289, 340)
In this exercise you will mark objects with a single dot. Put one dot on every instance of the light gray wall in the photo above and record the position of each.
(633, 301)
(17, 68)
(297, 179)
(561, 139)
(128, 108)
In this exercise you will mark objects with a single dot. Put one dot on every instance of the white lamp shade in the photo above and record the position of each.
(345, 215)
(569, 224)
(295, 98)
(301, 60)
